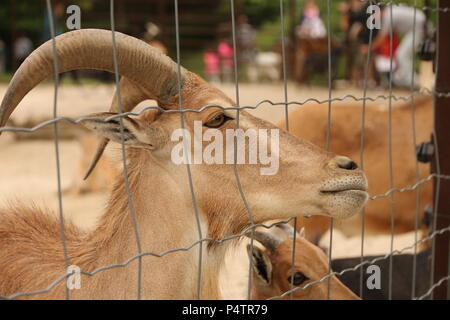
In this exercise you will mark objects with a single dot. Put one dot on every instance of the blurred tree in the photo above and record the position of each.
(260, 11)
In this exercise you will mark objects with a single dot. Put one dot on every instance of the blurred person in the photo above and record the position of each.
(404, 25)
(311, 47)
(311, 25)
(354, 18)
(246, 44)
(383, 58)
(152, 31)
(267, 65)
(212, 65)
(23, 46)
(57, 13)
(226, 53)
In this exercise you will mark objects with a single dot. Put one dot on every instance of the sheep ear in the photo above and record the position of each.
(132, 132)
(262, 267)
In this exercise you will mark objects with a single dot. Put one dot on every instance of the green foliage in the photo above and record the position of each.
(258, 11)
(268, 35)
(261, 11)
(27, 17)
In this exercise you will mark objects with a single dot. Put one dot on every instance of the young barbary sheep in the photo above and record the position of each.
(273, 273)
(309, 181)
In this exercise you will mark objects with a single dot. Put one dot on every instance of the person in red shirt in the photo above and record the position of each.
(212, 65)
(383, 58)
(226, 54)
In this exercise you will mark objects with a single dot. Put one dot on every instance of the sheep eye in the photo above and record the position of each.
(217, 121)
(298, 278)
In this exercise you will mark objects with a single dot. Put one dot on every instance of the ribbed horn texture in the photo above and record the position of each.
(92, 49)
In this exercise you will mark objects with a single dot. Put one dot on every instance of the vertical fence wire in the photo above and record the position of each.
(331, 221)
(124, 154)
(283, 55)
(235, 170)
(56, 139)
(390, 169)
(188, 168)
(286, 114)
(436, 157)
(413, 153)
(361, 154)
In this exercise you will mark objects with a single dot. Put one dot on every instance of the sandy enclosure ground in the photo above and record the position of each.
(28, 167)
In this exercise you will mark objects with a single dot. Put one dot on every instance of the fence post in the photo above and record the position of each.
(442, 129)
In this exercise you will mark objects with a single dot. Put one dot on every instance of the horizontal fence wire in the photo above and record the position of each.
(229, 238)
(434, 286)
(386, 194)
(250, 229)
(153, 254)
(234, 108)
(78, 120)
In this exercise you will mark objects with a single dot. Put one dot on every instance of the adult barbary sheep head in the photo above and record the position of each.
(309, 181)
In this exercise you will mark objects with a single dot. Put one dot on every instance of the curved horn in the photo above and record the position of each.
(92, 49)
(131, 95)
(267, 239)
(98, 154)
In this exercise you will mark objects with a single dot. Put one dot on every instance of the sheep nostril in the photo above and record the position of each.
(346, 164)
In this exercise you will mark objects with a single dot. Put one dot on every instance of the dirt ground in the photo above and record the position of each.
(28, 167)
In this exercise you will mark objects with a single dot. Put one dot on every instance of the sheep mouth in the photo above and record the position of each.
(356, 196)
(343, 190)
(344, 198)
(337, 188)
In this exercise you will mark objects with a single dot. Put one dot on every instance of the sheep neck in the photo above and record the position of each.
(163, 224)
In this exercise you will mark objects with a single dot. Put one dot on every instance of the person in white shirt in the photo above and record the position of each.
(311, 25)
(23, 46)
(412, 32)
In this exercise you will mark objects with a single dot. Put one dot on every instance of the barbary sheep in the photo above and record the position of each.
(309, 181)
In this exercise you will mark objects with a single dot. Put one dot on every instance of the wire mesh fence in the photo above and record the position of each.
(203, 238)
